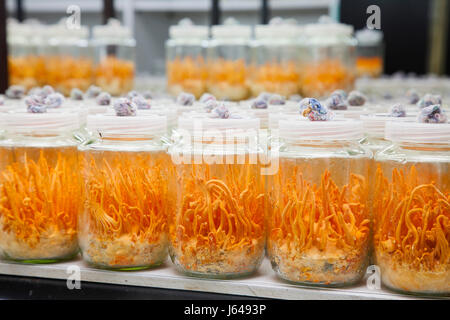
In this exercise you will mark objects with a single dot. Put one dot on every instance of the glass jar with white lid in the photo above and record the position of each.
(328, 54)
(319, 227)
(115, 57)
(69, 59)
(411, 208)
(228, 61)
(217, 228)
(124, 222)
(22, 55)
(186, 58)
(40, 191)
(370, 53)
(275, 57)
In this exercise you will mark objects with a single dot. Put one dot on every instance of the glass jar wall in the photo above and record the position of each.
(217, 227)
(411, 208)
(22, 55)
(186, 59)
(275, 60)
(124, 222)
(328, 59)
(370, 53)
(40, 191)
(319, 227)
(115, 57)
(68, 58)
(228, 62)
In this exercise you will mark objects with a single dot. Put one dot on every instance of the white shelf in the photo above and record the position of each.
(264, 284)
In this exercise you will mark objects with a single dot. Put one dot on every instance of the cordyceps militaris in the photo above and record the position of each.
(323, 216)
(221, 212)
(40, 198)
(412, 220)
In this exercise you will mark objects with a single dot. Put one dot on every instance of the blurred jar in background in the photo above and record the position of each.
(22, 55)
(228, 58)
(115, 55)
(68, 58)
(328, 59)
(370, 53)
(185, 57)
(274, 59)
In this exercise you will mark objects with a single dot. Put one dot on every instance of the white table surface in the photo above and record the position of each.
(264, 283)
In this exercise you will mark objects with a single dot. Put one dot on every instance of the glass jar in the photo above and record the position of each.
(115, 55)
(68, 59)
(274, 60)
(40, 188)
(411, 208)
(22, 55)
(328, 54)
(228, 60)
(319, 228)
(370, 53)
(124, 222)
(217, 227)
(374, 127)
(186, 55)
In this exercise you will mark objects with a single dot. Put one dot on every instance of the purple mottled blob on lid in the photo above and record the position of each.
(141, 102)
(336, 102)
(313, 110)
(429, 100)
(54, 100)
(35, 104)
(221, 112)
(15, 92)
(412, 96)
(432, 114)
(93, 91)
(103, 99)
(206, 97)
(185, 99)
(210, 105)
(398, 111)
(259, 103)
(124, 107)
(76, 94)
(341, 93)
(356, 99)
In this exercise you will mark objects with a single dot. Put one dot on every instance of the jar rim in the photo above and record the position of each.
(139, 125)
(41, 123)
(332, 130)
(418, 132)
(375, 124)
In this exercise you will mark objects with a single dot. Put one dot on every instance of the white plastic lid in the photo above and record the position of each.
(277, 31)
(140, 125)
(186, 29)
(352, 112)
(41, 123)
(417, 132)
(231, 31)
(113, 29)
(369, 37)
(375, 124)
(338, 129)
(328, 30)
(199, 123)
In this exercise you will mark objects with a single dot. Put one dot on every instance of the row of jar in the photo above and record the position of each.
(65, 58)
(318, 200)
(286, 59)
